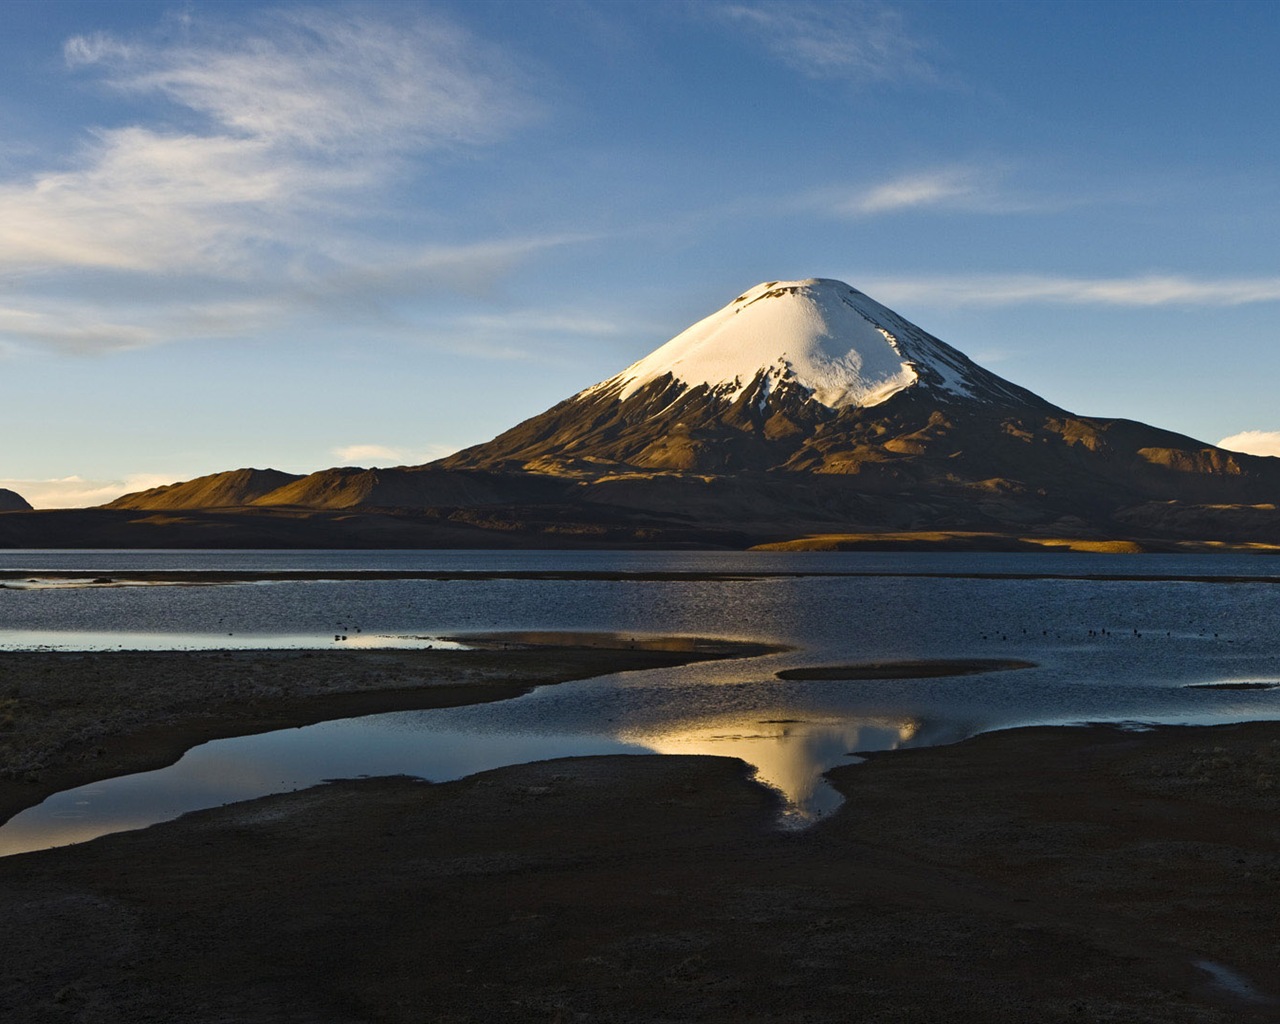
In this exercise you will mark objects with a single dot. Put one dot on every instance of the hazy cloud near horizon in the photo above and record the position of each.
(1253, 442)
(379, 455)
(80, 492)
(77, 492)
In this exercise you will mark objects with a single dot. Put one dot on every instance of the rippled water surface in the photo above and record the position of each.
(1109, 649)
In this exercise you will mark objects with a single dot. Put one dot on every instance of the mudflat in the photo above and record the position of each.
(1047, 874)
(67, 719)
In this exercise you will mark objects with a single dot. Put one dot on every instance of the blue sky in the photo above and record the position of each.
(293, 235)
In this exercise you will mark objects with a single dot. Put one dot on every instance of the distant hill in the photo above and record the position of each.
(406, 487)
(12, 501)
(231, 489)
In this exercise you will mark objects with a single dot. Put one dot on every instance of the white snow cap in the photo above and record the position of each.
(842, 346)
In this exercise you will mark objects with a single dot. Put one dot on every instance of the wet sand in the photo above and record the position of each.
(1049, 874)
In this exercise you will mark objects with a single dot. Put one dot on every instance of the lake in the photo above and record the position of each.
(1116, 638)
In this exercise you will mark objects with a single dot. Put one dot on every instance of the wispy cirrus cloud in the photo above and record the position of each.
(985, 186)
(318, 78)
(1253, 442)
(249, 194)
(109, 316)
(862, 41)
(82, 326)
(276, 126)
(469, 267)
(1030, 289)
(978, 189)
(935, 188)
(542, 321)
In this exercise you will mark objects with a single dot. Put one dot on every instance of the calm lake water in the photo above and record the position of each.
(1109, 649)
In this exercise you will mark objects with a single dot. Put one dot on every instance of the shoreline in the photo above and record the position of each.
(1189, 530)
(213, 577)
(71, 718)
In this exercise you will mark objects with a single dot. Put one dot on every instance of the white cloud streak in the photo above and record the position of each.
(1030, 289)
(1253, 442)
(860, 41)
(932, 189)
(977, 188)
(961, 187)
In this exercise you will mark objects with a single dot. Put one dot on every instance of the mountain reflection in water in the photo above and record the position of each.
(788, 755)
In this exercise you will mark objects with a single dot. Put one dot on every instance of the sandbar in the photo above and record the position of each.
(919, 668)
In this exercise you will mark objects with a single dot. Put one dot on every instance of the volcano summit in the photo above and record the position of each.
(801, 408)
(837, 344)
(767, 382)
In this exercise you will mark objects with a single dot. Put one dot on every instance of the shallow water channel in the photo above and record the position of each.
(1112, 638)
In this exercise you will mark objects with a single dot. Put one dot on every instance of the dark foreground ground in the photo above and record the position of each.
(1023, 876)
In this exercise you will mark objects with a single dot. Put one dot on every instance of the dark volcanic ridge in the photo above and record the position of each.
(802, 408)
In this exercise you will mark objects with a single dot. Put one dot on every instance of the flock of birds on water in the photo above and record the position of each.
(1098, 633)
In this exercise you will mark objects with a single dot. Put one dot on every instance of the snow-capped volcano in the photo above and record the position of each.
(808, 375)
(839, 345)
(800, 407)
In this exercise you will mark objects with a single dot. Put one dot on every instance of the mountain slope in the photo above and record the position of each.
(813, 377)
(217, 490)
(405, 487)
(768, 382)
